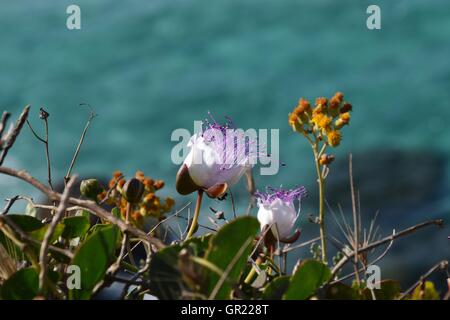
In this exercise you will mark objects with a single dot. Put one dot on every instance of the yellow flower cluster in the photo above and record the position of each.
(325, 120)
(149, 205)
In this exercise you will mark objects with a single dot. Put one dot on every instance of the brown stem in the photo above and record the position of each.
(77, 150)
(373, 245)
(355, 219)
(438, 266)
(89, 205)
(11, 138)
(49, 233)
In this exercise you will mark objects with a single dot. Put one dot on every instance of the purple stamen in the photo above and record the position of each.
(271, 194)
(239, 153)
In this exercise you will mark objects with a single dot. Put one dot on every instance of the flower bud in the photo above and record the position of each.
(90, 188)
(132, 190)
(346, 107)
(43, 114)
(295, 122)
(276, 209)
(334, 138)
(326, 159)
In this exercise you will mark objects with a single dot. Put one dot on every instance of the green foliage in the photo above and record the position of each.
(226, 251)
(198, 246)
(40, 233)
(94, 256)
(310, 275)
(229, 250)
(164, 275)
(25, 222)
(76, 226)
(341, 291)
(276, 288)
(23, 285)
(389, 290)
(425, 291)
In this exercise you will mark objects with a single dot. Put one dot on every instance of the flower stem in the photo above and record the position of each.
(196, 214)
(321, 182)
(250, 275)
(252, 272)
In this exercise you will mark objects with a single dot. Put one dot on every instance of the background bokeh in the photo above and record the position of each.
(149, 67)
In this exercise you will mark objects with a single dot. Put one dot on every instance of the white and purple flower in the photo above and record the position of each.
(276, 208)
(217, 159)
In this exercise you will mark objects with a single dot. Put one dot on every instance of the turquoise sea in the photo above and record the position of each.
(149, 67)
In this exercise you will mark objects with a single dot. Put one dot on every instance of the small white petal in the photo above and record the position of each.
(279, 213)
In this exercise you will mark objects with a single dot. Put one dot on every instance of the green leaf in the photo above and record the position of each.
(425, 291)
(389, 290)
(341, 291)
(310, 275)
(94, 256)
(75, 227)
(23, 285)
(164, 275)
(223, 249)
(116, 213)
(26, 223)
(276, 288)
(40, 233)
(199, 245)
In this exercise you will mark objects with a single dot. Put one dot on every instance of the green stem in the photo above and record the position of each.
(321, 183)
(196, 214)
(252, 272)
(250, 275)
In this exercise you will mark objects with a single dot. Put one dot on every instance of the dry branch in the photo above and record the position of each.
(373, 245)
(88, 205)
(10, 138)
(50, 230)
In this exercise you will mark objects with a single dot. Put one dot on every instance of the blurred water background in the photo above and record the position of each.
(149, 67)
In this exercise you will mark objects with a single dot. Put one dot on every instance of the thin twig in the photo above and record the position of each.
(356, 225)
(3, 121)
(138, 274)
(381, 256)
(108, 193)
(92, 115)
(343, 261)
(88, 205)
(44, 116)
(4, 219)
(170, 217)
(233, 207)
(303, 244)
(442, 265)
(228, 269)
(46, 206)
(251, 190)
(10, 138)
(9, 204)
(49, 233)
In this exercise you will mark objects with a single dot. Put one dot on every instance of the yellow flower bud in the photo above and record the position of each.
(295, 122)
(326, 159)
(321, 121)
(334, 138)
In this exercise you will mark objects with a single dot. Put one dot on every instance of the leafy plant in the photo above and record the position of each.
(75, 247)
